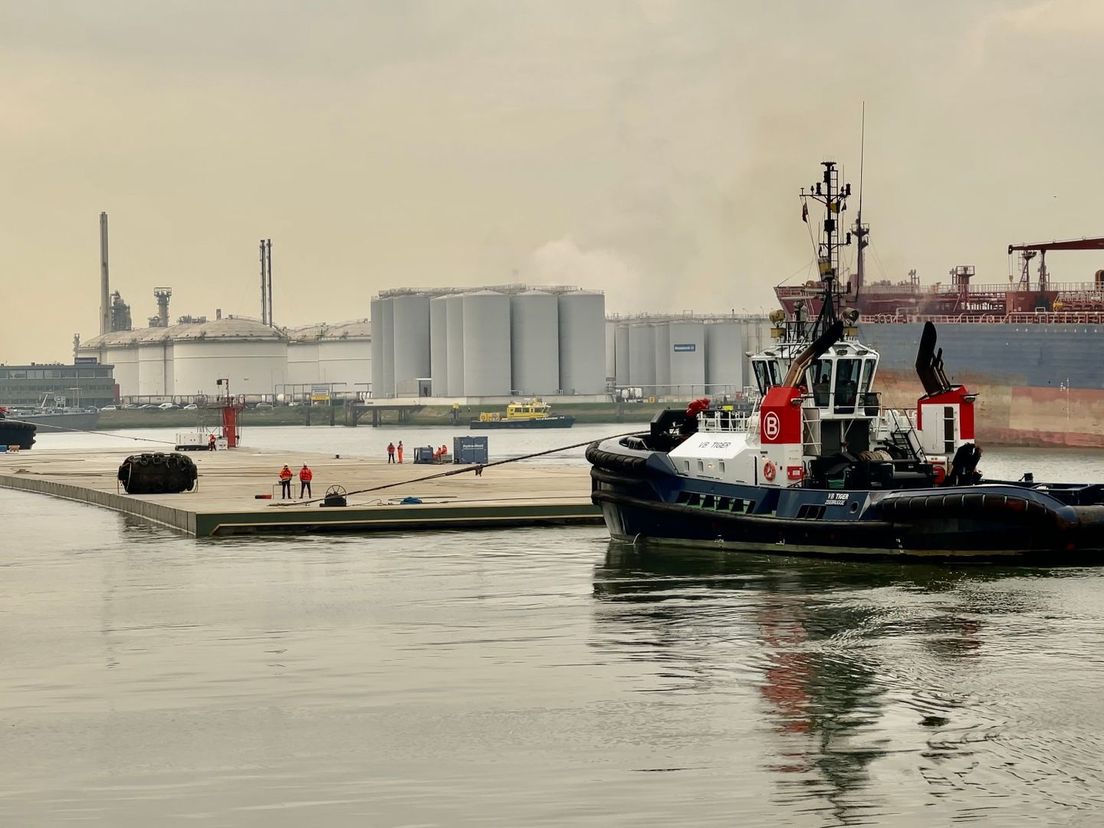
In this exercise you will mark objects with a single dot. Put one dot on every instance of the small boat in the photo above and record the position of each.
(527, 414)
(819, 468)
(15, 432)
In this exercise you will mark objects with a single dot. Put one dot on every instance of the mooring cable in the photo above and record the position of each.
(477, 467)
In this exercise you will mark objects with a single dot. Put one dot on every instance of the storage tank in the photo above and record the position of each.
(724, 357)
(486, 344)
(345, 356)
(155, 354)
(438, 344)
(642, 359)
(582, 338)
(534, 343)
(687, 357)
(410, 334)
(663, 357)
(116, 348)
(386, 329)
(303, 356)
(611, 349)
(454, 318)
(251, 355)
(376, 311)
(621, 355)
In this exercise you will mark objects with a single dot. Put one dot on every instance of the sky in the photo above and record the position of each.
(653, 150)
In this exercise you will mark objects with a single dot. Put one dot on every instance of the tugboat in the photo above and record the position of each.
(819, 468)
(528, 414)
(15, 432)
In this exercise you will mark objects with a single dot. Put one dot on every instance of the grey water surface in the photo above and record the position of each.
(533, 677)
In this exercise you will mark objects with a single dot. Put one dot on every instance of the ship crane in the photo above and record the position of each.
(1029, 251)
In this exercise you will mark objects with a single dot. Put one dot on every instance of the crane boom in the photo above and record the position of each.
(1068, 244)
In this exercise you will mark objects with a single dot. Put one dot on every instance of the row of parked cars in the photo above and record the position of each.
(166, 406)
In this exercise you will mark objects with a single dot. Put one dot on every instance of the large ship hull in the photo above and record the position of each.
(1038, 384)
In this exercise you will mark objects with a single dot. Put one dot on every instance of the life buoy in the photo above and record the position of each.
(769, 470)
(939, 474)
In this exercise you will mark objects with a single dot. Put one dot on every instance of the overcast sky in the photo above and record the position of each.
(650, 149)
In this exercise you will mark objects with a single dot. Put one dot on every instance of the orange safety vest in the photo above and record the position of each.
(306, 474)
(285, 473)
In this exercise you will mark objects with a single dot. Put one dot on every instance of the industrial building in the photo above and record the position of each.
(683, 355)
(507, 340)
(79, 385)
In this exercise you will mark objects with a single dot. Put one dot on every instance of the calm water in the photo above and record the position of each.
(537, 677)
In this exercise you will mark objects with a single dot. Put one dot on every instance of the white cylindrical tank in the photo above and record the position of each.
(303, 357)
(724, 357)
(663, 357)
(611, 350)
(454, 318)
(377, 347)
(486, 344)
(534, 343)
(687, 357)
(582, 338)
(438, 344)
(251, 355)
(642, 365)
(621, 354)
(117, 349)
(411, 338)
(154, 357)
(345, 356)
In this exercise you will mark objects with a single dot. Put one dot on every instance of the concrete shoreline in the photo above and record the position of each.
(225, 503)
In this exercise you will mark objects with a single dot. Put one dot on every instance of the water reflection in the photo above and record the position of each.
(835, 652)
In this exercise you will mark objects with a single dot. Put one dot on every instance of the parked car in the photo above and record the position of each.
(148, 405)
(167, 406)
(108, 408)
(191, 407)
(264, 405)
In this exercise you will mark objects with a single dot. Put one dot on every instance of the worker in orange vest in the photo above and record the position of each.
(305, 477)
(285, 483)
(399, 450)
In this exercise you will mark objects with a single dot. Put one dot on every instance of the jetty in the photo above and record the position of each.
(225, 502)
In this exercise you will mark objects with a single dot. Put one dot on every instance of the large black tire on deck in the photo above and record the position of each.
(158, 473)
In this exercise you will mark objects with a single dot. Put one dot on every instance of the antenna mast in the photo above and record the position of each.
(860, 230)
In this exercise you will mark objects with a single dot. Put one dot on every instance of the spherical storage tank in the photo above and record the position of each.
(411, 338)
(486, 344)
(687, 356)
(534, 343)
(582, 339)
(642, 358)
(438, 344)
(724, 357)
(251, 355)
(454, 336)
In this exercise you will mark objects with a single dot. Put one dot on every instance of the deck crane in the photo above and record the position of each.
(1028, 252)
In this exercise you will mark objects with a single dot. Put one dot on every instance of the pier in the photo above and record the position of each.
(225, 500)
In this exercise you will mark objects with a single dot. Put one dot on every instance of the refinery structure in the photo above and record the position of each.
(455, 344)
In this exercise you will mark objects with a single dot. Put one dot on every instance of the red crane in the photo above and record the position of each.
(1029, 251)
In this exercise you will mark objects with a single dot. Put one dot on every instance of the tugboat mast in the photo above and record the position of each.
(832, 195)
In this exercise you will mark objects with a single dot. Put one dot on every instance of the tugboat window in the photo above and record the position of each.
(820, 381)
(847, 384)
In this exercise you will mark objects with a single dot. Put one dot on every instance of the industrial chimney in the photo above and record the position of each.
(105, 300)
(162, 295)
